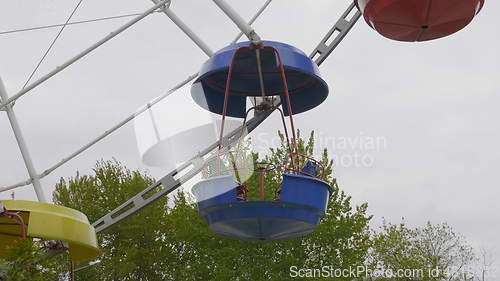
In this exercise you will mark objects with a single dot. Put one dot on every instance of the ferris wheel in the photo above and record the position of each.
(242, 85)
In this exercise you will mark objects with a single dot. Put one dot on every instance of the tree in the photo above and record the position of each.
(26, 261)
(168, 241)
(341, 240)
(433, 252)
(131, 250)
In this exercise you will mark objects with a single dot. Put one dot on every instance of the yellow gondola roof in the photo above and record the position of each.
(50, 222)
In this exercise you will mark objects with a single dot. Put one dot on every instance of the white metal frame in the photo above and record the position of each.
(239, 21)
(82, 54)
(34, 178)
(177, 177)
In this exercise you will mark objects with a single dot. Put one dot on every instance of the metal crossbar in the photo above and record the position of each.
(336, 34)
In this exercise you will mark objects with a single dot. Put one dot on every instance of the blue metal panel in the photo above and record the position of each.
(310, 169)
(305, 190)
(228, 197)
(262, 220)
(297, 213)
(307, 89)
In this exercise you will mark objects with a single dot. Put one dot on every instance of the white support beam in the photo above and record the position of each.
(19, 184)
(103, 135)
(188, 31)
(35, 180)
(117, 126)
(336, 34)
(239, 21)
(81, 55)
(254, 18)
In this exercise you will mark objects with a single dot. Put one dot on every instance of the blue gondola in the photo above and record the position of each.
(225, 82)
(297, 213)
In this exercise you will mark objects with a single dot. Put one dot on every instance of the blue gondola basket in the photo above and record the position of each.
(302, 205)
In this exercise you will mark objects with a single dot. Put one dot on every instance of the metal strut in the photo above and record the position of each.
(23, 147)
(336, 34)
(246, 28)
(188, 170)
(190, 33)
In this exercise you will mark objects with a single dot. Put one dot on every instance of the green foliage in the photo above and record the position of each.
(435, 250)
(24, 263)
(169, 241)
(130, 250)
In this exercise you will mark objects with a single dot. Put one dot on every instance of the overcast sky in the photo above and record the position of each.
(431, 108)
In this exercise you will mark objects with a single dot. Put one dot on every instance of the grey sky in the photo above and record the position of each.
(434, 104)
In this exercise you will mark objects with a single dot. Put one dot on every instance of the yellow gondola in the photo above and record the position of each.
(47, 222)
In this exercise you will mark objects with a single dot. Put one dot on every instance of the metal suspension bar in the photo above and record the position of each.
(71, 269)
(122, 123)
(336, 34)
(69, 23)
(81, 55)
(261, 76)
(287, 137)
(168, 183)
(226, 97)
(226, 94)
(19, 184)
(34, 178)
(190, 33)
(119, 125)
(288, 104)
(239, 21)
(262, 172)
(259, 12)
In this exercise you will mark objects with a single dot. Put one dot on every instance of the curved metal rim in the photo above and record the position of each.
(54, 222)
(295, 234)
(261, 203)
